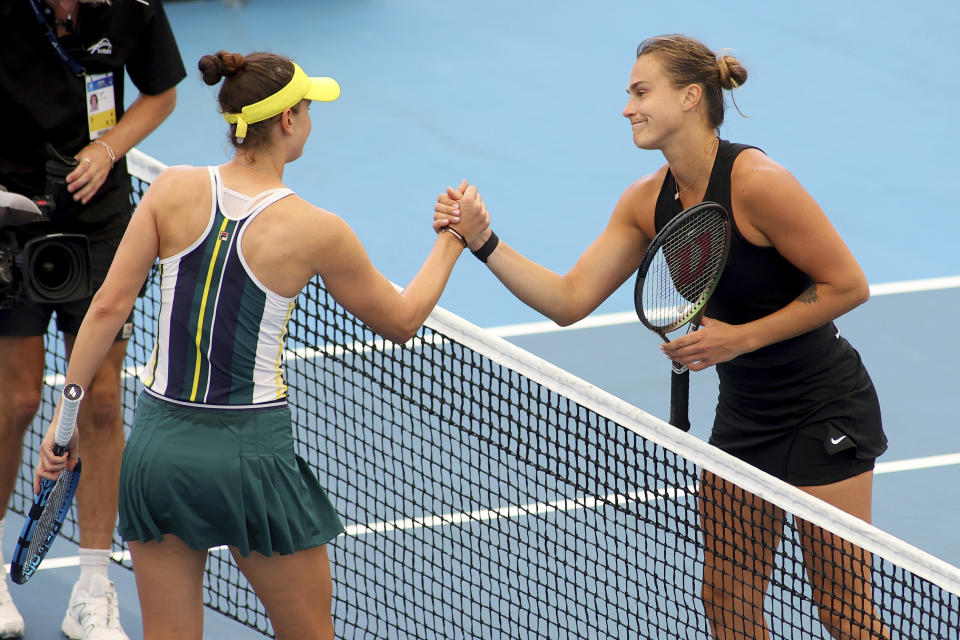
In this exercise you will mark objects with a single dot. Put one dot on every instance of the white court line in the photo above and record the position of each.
(917, 463)
(535, 508)
(914, 286)
(627, 317)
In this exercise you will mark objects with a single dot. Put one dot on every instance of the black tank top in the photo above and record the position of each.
(756, 280)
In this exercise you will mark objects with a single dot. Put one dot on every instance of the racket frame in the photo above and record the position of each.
(659, 240)
(680, 374)
(22, 568)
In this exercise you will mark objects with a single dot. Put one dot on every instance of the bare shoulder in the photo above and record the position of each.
(638, 203)
(647, 187)
(755, 173)
(179, 182)
(308, 214)
(767, 198)
(182, 174)
(307, 224)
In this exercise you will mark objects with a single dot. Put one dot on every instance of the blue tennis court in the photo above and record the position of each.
(524, 99)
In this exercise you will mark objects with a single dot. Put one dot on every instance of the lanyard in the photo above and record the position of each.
(72, 64)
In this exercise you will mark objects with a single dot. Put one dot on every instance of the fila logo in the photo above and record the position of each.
(103, 48)
(224, 236)
(837, 440)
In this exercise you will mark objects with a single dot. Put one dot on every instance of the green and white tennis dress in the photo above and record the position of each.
(211, 456)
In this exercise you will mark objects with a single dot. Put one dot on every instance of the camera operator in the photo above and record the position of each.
(62, 65)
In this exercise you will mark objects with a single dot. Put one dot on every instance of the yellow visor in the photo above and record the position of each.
(300, 87)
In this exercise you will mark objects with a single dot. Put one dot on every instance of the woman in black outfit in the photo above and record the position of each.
(795, 399)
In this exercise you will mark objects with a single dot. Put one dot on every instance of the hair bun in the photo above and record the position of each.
(223, 64)
(732, 73)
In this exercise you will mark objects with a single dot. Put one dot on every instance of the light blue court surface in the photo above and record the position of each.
(856, 98)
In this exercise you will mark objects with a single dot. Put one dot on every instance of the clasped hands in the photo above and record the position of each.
(456, 207)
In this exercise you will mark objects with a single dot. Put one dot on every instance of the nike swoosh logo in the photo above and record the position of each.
(837, 440)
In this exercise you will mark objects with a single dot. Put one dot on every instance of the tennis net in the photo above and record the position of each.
(488, 494)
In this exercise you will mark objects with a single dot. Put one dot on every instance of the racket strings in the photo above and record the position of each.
(684, 271)
(51, 518)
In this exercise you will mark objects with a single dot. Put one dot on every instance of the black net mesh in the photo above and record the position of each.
(483, 500)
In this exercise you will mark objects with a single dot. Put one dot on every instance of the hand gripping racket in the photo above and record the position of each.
(680, 271)
(51, 505)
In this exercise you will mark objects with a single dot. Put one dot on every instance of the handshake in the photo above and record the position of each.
(462, 212)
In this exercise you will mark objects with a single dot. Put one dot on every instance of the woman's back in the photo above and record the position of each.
(276, 246)
(221, 326)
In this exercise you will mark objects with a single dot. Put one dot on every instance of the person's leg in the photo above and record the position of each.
(296, 590)
(11, 622)
(741, 533)
(21, 376)
(169, 578)
(839, 572)
(101, 446)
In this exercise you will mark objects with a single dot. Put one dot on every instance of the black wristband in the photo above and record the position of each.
(454, 232)
(484, 252)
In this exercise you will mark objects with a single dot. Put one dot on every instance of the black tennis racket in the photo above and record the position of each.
(51, 505)
(680, 271)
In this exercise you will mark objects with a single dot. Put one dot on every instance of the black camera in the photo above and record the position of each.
(50, 268)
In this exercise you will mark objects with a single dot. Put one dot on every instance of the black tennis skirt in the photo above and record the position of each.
(812, 421)
(221, 477)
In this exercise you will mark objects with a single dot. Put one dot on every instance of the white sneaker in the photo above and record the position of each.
(11, 622)
(93, 614)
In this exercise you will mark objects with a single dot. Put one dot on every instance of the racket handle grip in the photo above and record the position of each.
(680, 399)
(67, 421)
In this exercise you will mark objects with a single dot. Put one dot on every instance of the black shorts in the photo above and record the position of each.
(27, 318)
(810, 422)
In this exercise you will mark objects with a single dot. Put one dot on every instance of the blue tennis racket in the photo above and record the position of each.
(51, 505)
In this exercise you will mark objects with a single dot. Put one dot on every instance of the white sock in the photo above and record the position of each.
(92, 562)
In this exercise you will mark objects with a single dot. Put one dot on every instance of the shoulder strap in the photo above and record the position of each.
(263, 200)
(719, 190)
(667, 205)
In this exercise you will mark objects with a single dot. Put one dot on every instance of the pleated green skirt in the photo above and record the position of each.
(221, 477)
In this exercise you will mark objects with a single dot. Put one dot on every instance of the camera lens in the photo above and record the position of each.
(57, 268)
(53, 267)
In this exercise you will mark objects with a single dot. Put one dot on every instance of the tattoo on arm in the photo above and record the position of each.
(809, 296)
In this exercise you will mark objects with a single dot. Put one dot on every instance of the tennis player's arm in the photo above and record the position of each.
(602, 268)
(112, 303)
(771, 208)
(788, 218)
(108, 311)
(355, 283)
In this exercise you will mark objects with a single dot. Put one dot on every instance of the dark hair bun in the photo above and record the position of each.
(732, 73)
(220, 65)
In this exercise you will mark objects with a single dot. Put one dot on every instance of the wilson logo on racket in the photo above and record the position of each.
(679, 272)
(682, 271)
